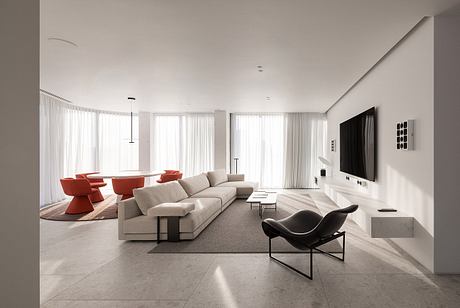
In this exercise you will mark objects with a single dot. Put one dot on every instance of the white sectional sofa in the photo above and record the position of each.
(196, 201)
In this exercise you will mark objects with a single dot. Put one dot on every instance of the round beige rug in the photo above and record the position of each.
(106, 209)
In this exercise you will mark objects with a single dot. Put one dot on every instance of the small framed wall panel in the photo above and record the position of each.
(405, 135)
(333, 145)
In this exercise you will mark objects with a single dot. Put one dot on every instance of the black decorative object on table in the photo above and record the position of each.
(307, 230)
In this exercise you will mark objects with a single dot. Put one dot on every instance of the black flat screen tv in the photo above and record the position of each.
(357, 145)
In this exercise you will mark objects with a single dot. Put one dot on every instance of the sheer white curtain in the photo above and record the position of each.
(184, 142)
(278, 150)
(257, 141)
(75, 139)
(79, 140)
(199, 143)
(114, 150)
(167, 142)
(51, 150)
(305, 141)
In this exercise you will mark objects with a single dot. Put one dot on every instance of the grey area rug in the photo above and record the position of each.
(238, 230)
(106, 209)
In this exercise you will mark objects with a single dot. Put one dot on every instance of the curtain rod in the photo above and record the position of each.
(56, 96)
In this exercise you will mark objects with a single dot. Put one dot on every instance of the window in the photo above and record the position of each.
(114, 150)
(75, 140)
(184, 142)
(257, 142)
(278, 150)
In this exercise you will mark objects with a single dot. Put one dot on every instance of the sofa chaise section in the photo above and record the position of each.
(219, 178)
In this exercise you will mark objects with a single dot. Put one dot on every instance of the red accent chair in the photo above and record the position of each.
(125, 186)
(95, 183)
(170, 175)
(80, 189)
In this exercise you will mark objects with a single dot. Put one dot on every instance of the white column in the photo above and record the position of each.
(446, 143)
(145, 135)
(221, 140)
(19, 153)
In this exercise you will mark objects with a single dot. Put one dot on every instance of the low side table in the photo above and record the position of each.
(263, 199)
(172, 211)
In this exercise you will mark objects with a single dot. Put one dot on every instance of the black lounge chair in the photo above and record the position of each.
(306, 230)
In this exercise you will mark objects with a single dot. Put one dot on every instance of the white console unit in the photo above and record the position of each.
(376, 224)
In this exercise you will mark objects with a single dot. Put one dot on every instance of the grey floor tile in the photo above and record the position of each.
(354, 291)
(85, 265)
(51, 285)
(256, 281)
(404, 290)
(143, 277)
(114, 304)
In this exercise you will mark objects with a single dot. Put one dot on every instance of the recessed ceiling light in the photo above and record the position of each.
(261, 71)
(259, 66)
(62, 40)
(268, 98)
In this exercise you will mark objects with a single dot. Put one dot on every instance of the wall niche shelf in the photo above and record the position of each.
(376, 224)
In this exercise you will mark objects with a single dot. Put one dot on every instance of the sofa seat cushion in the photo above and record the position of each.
(195, 184)
(225, 194)
(151, 196)
(217, 177)
(243, 188)
(204, 210)
(171, 209)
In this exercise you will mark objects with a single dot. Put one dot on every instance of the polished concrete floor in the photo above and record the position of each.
(83, 264)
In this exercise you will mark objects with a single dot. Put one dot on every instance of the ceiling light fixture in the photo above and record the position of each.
(131, 100)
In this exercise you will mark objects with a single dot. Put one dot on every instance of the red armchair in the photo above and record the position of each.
(170, 175)
(125, 186)
(80, 189)
(95, 183)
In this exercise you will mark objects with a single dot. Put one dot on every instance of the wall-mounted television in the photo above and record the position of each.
(357, 145)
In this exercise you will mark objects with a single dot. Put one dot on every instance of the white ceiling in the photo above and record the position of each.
(201, 55)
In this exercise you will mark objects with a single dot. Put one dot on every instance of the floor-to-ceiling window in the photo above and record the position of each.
(184, 142)
(75, 139)
(278, 150)
(115, 152)
(257, 142)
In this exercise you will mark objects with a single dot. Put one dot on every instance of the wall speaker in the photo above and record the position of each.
(405, 135)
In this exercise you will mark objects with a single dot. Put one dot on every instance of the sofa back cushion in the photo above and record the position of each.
(151, 196)
(195, 184)
(217, 177)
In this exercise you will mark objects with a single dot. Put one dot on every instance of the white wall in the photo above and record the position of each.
(221, 140)
(401, 88)
(446, 142)
(145, 136)
(19, 161)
